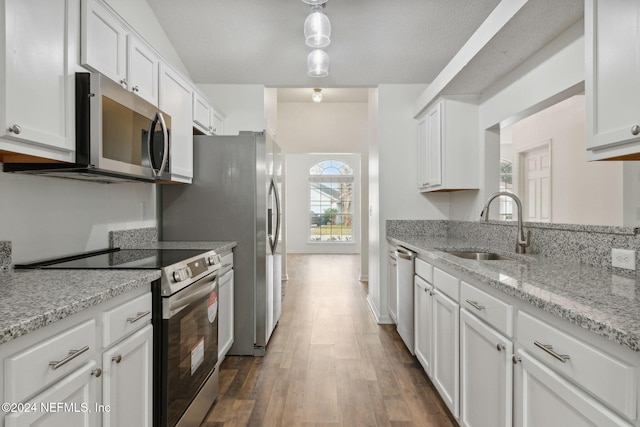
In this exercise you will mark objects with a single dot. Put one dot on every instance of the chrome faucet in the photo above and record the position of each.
(522, 241)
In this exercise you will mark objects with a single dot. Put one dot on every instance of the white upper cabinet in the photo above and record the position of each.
(110, 49)
(612, 79)
(448, 146)
(175, 100)
(206, 118)
(37, 79)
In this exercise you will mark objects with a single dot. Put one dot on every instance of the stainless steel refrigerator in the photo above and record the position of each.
(235, 195)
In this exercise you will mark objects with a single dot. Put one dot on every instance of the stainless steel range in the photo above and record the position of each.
(185, 324)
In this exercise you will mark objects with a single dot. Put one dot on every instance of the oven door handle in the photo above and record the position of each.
(189, 295)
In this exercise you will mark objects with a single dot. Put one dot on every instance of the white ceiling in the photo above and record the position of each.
(373, 41)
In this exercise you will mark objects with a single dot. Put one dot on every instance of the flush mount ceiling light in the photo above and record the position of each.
(317, 95)
(318, 63)
(317, 28)
(315, 2)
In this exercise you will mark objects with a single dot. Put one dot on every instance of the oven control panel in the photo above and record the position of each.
(182, 274)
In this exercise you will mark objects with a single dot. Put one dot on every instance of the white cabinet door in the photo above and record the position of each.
(175, 100)
(70, 402)
(446, 350)
(110, 49)
(38, 80)
(448, 146)
(423, 301)
(486, 374)
(542, 399)
(206, 118)
(104, 46)
(225, 314)
(144, 70)
(127, 381)
(612, 79)
(217, 122)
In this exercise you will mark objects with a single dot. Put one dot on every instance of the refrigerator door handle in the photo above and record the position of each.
(273, 240)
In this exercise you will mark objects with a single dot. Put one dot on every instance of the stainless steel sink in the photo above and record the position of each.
(480, 256)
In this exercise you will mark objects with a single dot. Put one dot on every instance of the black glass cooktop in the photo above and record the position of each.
(132, 259)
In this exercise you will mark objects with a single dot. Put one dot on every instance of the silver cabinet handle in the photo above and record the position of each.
(15, 129)
(138, 316)
(136, 89)
(72, 355)
(123, 82)
(515, 359)
(635, 130)
(97, 372)
(475, 305)
(500, 346)
(117, 358)
(549, 349)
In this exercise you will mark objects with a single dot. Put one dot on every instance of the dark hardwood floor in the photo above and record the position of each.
(328, 363)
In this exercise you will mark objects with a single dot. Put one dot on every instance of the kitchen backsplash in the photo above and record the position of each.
(135, 238)
(585, 244)
(5, 256)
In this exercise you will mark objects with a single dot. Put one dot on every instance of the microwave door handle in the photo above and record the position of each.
(165, 141)
(152, 127)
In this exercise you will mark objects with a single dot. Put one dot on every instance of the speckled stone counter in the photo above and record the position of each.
(602, 301)
(31, 299)
(147, 238)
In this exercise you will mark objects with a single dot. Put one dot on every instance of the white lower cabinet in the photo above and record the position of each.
(53, 376)
(71, 402)
(423, 301)
(486, 374)
(225, 314)
(446, 350)
(542, 398)
(127, 381)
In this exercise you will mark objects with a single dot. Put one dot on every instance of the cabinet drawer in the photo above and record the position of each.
(226, 263)
(424, 270)
(488, 308)
(31, 370)
(611, 380)
(446, 283)
(126, 318)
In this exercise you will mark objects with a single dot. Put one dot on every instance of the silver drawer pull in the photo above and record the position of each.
(72, 355)
(96, 372)
(549, 349)
(117, 358)
(500, 346)
(475, 304)
(138, 316)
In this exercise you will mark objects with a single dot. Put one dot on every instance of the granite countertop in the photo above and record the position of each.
(31, 299)
(596, 299)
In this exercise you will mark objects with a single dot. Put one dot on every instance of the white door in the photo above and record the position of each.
(542, 399)
(392, 284)
(423, 301)
(536, 184)
(434, 146)
(486, 374)
(127, 381)
(144, 70)
(446, 350)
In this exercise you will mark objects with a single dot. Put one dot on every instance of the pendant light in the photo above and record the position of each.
(315, 2)
(318, 63)
(316, 96)
(317, 28)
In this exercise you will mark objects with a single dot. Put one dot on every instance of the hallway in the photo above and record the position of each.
(328, 362)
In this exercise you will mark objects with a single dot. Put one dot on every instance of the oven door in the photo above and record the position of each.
(189, 345)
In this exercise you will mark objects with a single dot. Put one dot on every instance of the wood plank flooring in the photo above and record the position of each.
(328, 363)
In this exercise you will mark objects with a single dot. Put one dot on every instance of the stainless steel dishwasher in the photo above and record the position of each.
(404, 284)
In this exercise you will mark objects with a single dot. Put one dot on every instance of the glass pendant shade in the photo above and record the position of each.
(316, 96)
(317, 29)
(318, 63)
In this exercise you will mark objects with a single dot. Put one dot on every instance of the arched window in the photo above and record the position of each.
(331, 202)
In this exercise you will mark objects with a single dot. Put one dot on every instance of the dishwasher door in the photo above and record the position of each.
(405, 271)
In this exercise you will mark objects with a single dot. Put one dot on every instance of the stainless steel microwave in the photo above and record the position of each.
(119, 137)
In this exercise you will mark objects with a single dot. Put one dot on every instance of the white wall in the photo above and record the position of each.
(574, 181)
(244, 106)
(50, 217)
(139, 15)
(554, 73)
(297, 204)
